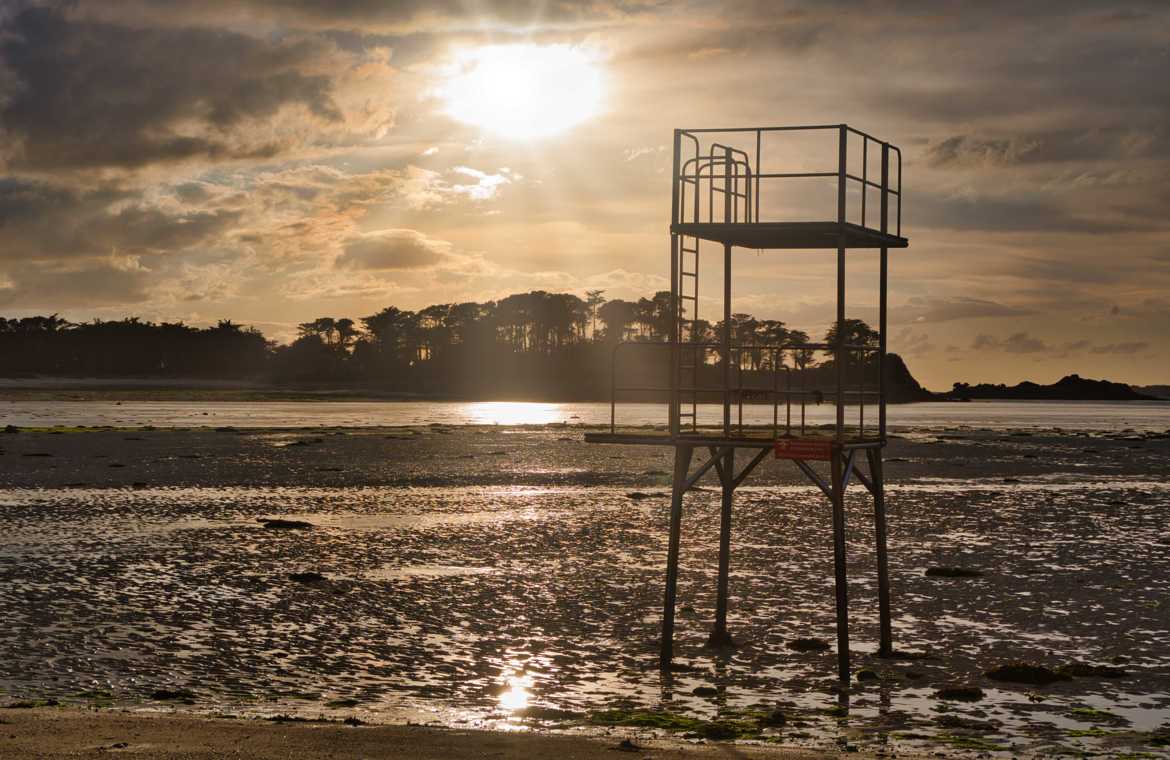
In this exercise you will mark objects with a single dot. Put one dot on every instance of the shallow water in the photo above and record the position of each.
(994, 415)
(464, 604)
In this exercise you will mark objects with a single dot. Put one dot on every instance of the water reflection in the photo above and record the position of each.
(513, 413)
(515, 695)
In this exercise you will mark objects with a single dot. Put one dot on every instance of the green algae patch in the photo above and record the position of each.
(645, 719)
(975, 743)
(1022, 672)
(1095, 732)
(1093, 715)
(726, 728)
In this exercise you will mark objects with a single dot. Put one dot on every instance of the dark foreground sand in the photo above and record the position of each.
(53, 733)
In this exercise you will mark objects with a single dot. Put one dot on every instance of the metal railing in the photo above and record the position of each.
(741, 183)
(761, 377)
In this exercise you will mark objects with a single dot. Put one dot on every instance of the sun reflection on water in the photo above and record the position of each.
(513, 413)
(515, 696)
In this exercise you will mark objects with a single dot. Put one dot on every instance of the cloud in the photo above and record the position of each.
(1128, 347)
(86, 94)
(932, 309)
(394, 249)
(1016, 343)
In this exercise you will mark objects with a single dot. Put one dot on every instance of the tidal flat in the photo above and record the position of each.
(511, 578)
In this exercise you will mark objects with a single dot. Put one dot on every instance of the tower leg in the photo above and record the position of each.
(838, 468)
(719, 636)
(886, 645)
(682, 463)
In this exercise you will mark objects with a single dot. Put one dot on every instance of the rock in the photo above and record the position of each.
(1084, 670)
(306, 577)
(11, 429)
(1010, 481)
(808, 645)
(352, 721)
(1022, 672)
(944, 571)
(627, 746)
(718, 731)
(867, 674)
(960, 693)
(276, 523)
(705, 691)
(639, 495)
(173, 695)
(968, 724)
(776, 718)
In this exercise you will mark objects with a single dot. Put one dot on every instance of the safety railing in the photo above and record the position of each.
(727, 164)
(787, 377)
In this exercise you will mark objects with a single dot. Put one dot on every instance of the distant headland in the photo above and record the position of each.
(1068, 388)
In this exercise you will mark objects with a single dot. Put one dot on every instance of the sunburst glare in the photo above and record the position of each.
(523, 91)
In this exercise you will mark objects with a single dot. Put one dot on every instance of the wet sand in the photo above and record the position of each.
(48, 733)
(505, 578)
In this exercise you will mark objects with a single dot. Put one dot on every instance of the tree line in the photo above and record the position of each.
(535, 343)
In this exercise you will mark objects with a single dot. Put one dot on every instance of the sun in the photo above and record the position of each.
(523, 91)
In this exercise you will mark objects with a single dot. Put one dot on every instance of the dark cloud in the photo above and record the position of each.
(96, 284)
(1016, 343)
(88, 94)
(926, 309)
(1050, 147)
(44, 221)
(394, 249)
(1127, 347)
(1002, 214)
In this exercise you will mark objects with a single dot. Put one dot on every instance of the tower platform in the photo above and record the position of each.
(724, 195)
(790, 235)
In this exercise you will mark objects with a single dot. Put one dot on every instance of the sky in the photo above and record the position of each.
(271, 162)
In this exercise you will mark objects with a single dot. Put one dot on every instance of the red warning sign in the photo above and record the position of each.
(797, 448)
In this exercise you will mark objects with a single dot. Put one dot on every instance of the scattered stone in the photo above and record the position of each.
(1085, 670)
(307, 577)
(944, 571)
(705, 691)
(684, 667)
(718, 731)
(776, 718)
(276, 523)
(1022, 672)
(968, 724)
(352, 721)
(808, 645)
(867, 674)
(537, 712)
(28, 704)
(960, 693)
(173, 695)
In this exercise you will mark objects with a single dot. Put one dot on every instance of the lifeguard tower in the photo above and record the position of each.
(772, 189)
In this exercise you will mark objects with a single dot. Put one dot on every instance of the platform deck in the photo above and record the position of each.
(791, 235)
(760, 439)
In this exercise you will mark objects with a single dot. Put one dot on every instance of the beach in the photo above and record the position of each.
(509, 577)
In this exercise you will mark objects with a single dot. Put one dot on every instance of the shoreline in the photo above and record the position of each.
(77, 732)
